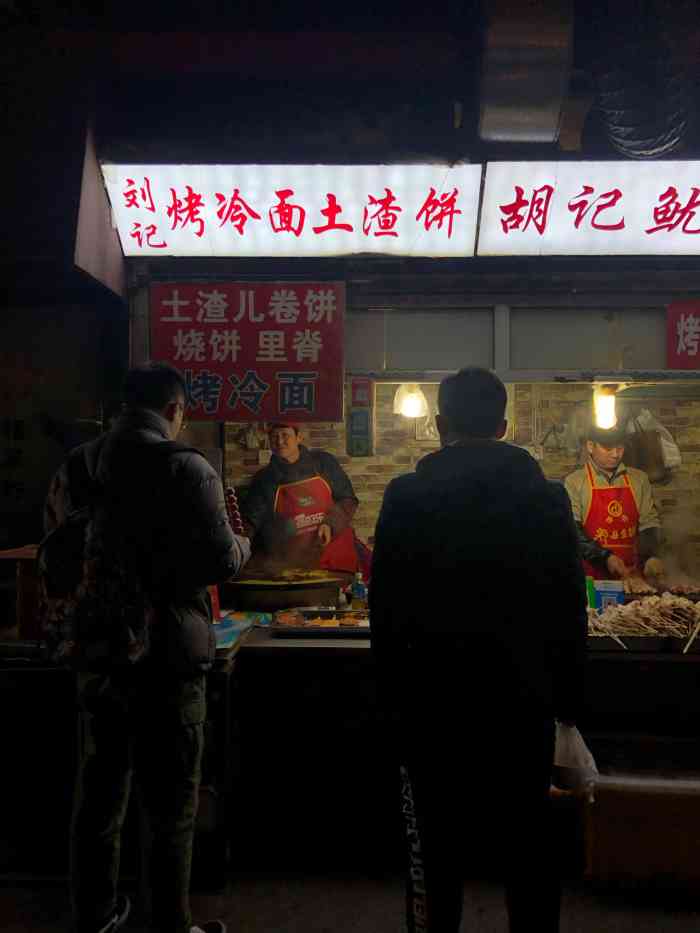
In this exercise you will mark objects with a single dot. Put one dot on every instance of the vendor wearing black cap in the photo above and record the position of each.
(618, 525)
(300, 507)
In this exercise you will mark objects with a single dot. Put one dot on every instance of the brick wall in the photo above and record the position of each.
(532, 411)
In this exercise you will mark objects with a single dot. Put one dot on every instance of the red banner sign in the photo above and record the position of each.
(683, 335)
(253, 351)
(361, 393)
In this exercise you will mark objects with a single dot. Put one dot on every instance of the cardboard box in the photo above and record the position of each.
(644, 828)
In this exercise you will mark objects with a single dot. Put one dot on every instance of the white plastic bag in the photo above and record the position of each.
(575, 767)
(669, 449)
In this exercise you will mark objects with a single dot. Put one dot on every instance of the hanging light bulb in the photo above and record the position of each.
(604, 406)
(410, 401)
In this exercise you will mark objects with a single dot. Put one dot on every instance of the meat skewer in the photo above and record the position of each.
(234, 515)
(665, 615)
(692, 638)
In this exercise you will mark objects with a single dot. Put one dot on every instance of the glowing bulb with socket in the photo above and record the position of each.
(410, 401)
(604, 406)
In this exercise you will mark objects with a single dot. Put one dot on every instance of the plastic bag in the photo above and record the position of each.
(574, 765)
(643, 451)
(669, 449)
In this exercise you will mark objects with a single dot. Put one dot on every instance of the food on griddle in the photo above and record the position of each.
(296, 618)
(684, 589)
(261, 577)
(288, 577)
(289, 617)
(334, 621)
(294, 576)
(637, 586)
(684, 586)
(664, 616)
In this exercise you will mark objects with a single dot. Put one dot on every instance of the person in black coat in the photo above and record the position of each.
(161, 510)
(478, 628)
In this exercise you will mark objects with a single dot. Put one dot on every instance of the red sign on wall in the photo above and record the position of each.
(683, 335)
(361, 392)
(252, 351)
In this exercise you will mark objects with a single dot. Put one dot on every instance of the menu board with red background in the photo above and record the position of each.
(253, 351)
(683, 335)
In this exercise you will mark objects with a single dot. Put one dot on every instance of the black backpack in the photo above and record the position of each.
(97, 612)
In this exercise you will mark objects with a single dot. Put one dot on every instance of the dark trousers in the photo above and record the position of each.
(160, 751)
(475, 800)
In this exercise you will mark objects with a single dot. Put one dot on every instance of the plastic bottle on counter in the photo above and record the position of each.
(358, 593)
(591, 593)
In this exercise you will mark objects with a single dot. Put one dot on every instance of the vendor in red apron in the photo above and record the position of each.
(613, 506)
(299, 508)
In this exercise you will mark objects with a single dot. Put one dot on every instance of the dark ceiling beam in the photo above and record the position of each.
(293, 56)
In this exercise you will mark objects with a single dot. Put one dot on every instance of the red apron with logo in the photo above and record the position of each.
(613, 523)
(306, 503)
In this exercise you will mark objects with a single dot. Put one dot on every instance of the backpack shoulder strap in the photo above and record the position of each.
(80, 467)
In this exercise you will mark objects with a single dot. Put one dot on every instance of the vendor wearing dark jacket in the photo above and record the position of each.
(618, 526)
(300, 507)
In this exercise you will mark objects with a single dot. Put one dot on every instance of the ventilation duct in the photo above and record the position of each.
(644, 95)
(525, 73)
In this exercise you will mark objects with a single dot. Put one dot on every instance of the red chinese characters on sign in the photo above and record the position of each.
(149, 234)
(515, 215)
(253, 351)
(135, 196)
(581, 205)
(670, 213)
(683, 335)
(331, 211)
(186, 210)
(286, 217)
(380, 215)
(235, 211)
(436, 210)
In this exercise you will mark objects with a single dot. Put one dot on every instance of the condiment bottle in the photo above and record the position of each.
(358, 593)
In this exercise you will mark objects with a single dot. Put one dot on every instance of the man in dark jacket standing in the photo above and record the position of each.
(165, 507)
(478, 629)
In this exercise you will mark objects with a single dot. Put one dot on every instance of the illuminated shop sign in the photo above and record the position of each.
(295, 210)
(590, 209)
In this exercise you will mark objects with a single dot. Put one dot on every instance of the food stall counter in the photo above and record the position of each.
(263, 641)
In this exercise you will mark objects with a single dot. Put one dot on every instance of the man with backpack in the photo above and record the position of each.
(133, 616)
